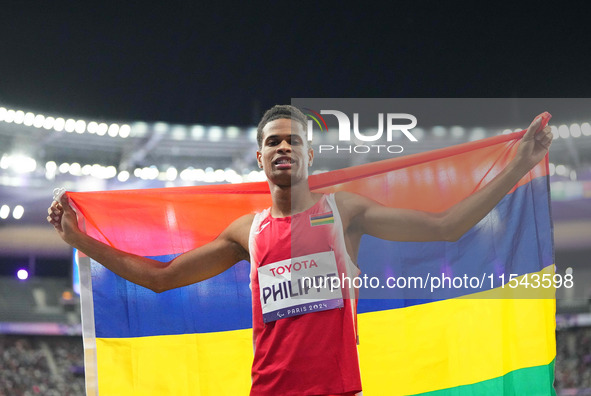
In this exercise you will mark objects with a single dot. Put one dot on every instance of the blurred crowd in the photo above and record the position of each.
(31, 365)
(573, 360)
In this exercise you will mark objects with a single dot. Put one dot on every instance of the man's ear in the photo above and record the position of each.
(310, 156)
(259, 161)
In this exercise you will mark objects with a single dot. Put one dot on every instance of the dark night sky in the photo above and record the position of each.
(224, 64)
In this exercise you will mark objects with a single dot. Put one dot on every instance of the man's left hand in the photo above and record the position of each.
(534, 144)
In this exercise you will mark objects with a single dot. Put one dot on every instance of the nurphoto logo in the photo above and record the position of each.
(392, 121)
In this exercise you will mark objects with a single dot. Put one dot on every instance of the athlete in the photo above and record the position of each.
(288, 360)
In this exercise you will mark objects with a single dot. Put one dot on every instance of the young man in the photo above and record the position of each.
(310, 353)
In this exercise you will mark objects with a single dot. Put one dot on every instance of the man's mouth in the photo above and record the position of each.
(283, 163)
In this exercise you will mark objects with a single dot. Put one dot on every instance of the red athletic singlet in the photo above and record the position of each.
(312, 353)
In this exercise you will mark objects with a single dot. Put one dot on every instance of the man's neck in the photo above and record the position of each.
(289, 200)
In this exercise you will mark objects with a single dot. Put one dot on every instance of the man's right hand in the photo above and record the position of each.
(63, 218)
(193, 266)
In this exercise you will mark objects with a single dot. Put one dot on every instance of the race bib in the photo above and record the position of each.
(299, 286)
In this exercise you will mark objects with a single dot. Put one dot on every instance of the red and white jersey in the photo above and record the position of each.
(300, 350)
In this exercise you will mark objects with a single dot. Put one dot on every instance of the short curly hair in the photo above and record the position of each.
(277, 112)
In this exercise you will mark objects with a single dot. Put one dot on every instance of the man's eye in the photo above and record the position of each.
(271, 142)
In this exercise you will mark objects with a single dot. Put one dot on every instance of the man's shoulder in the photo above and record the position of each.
(347, 200)
(352, 205)
(243, 223)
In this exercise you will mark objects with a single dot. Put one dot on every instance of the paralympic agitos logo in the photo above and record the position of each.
(392, 124)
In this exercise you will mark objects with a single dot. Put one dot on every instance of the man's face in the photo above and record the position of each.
(285, 154)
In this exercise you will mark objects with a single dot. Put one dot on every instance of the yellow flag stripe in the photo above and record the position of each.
(180, 365)
(455, 342)
(403, 351)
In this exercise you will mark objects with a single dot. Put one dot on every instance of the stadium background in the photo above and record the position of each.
(169, 95)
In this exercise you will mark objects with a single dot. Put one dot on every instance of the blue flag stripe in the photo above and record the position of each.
(223, 303)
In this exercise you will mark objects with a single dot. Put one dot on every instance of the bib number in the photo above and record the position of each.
(299, 286)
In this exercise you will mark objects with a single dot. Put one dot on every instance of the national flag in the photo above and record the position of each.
(196, 340)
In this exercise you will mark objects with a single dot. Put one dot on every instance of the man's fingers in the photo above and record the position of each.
(543, 133)
(64, 202)
(533, 128)
(55, 223)
(55, 208)
(541, 121)
(54, 217)
(547, 140)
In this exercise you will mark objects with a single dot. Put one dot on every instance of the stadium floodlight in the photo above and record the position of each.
(23, 164)
(573, 175)
(563, 131)
(178, 132)
(186, 174)
(64, 167)
(18, 212)
(48, 123)
(92, 127)
(232, 132)
(457, 131)
(102, 129)
(39, 121)
(19, 117)
(220, 175)
(50, 166)
(575, 130)
(197, 132)
(29, 119)
(109, 172)
(215, 133)
(123, 176)
(70, 125)
(9, 117)
(418, 133)
(477, 134)
(171, 174)
(59, 124)
(22, 274)
(80, 126)
(561, 170)
(113, 130)
(124, 131)
(438, 131)
(75, 169)
(4, 212)
(160, 127)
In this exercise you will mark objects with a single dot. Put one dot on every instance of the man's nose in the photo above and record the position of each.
(284, 146)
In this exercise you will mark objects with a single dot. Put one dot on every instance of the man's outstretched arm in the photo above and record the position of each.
(204, 262)
(370, 217)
